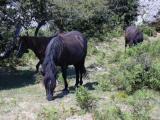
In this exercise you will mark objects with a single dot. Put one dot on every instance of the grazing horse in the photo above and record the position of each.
(133, 36)
(63, 50)
(36, 44)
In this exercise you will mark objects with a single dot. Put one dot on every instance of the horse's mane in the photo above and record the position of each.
(41, 40)
(53, 51)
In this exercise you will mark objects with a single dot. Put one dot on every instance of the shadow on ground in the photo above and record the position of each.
(71, 75)
(88, 86)
(10, 79)
(72, 90)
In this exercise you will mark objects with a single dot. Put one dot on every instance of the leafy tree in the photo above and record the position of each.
(94, 18)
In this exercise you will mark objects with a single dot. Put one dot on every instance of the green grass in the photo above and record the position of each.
(22, 94)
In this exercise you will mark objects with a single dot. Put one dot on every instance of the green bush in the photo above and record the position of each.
(104, 83)
(48, 113)
(141, 72)
(150, 31)
(139, 68)
(92, 50)
(111, 112)
(84, 99)
(117, 57)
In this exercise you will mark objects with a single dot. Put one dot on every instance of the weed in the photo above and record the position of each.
(104, 83)
(120, 96)
(92, 50)
(84, 99)
(110, 112)
(117, 57)
(150, 31)
(138, 69)
(48, 113)
(100, 58)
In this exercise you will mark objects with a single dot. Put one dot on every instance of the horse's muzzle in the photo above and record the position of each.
(49, 97)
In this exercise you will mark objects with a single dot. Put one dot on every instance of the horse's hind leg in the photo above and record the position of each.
(64, 74)
(82, 72)
(77, 75)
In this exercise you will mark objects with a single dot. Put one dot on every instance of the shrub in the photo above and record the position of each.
(104, 83)
(92, 50)
(136, 72)
(141, 72)
(100, 58)
(48, 113)
(154, 77)
(110, 112)
(117, 57)
(84, 99)
(150, 31)
(138, 69)
(141, 110)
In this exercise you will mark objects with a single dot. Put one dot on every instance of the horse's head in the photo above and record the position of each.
(22, 47)
(49, 73)
(50, 85)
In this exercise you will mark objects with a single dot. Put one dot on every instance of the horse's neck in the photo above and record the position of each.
(34, 48)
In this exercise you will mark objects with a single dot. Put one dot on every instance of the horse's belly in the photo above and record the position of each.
(69, 60)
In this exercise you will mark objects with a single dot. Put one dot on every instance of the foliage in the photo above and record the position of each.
(125, 10)
(92, 50)
(104, 84)
(140, 101)
(137, 69)
(110, 112)
(84, 99)
(100, 58)
(117, 57)
(102, 19)
(150, 31)
(48, 113)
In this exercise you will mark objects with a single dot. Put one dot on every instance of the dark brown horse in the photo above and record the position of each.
(133, 36)
(63, 50)
(37, 44)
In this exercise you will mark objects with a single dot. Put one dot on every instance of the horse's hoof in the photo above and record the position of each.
(36, 72)
(81, 82)
(65, 91)
(50, 98)
(76, 86)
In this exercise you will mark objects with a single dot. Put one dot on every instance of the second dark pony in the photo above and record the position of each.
(63, 50)
(133, 36)
(37, 44)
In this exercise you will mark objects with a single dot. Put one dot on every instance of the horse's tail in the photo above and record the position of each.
(84, 72)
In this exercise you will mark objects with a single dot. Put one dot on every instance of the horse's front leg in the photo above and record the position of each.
(64, 74)
(37, 66)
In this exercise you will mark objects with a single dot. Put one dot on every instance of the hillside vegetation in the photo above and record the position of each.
(119, 85)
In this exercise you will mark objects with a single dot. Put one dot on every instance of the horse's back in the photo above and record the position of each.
(75, 47)
(133, 35)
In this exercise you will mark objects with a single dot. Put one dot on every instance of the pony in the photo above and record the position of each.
(133, 36)
(36, 44)
(66, 49)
